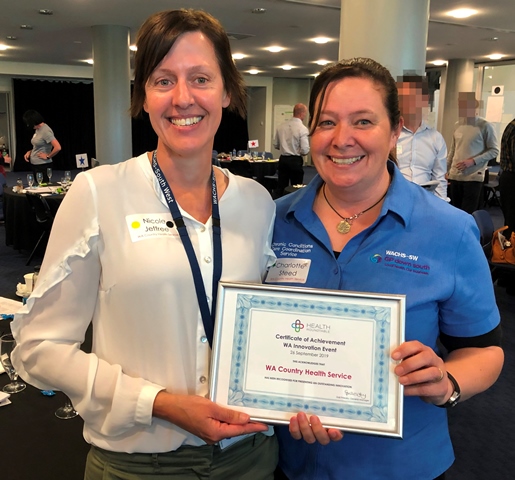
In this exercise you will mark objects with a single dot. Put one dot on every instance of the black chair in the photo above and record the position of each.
(44, 217)
(486, 230)
(491, 195)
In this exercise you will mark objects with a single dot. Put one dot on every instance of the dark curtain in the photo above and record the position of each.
(68, 110)
(144, 139)
(233, 133)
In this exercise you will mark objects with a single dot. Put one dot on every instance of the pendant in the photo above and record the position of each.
(343, 227)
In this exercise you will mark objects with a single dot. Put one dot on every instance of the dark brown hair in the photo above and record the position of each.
(32, 118)
(355, 67)
(159, 33)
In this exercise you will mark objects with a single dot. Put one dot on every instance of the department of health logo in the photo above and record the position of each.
(376, 258)
(297, 325)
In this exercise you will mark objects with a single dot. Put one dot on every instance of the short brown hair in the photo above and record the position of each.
(158, 34)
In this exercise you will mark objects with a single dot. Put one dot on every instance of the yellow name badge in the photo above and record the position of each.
(289, 270)
(143, 226)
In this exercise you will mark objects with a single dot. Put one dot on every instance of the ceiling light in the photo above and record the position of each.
(322, 62)
(45, 11)
(11, 37)
(286, 67)
(321, 40)
(462, 13)
(26, 27)
(274, 49)
(438, 63)
(89, 60)
(253, 71)
(238, 56)
(495, 56)
(133, 48)
(3, 47)
(259, 10)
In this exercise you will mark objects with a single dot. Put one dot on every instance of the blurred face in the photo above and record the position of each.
(351, 142)
(467, 105)
(185, 95)
(411, 99)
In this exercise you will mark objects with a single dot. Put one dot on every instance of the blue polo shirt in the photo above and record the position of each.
(425, 249)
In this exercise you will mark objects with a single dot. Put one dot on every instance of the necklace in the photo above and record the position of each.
(345, 225)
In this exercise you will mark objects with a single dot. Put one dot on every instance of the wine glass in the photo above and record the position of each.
(66, 411)
(30, 179)
(7, 344)
(39, 178)
(49, 174)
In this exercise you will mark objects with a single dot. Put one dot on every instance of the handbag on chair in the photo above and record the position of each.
(503, 250)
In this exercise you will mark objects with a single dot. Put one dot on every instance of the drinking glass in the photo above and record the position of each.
(49, 174)
(30, 179)
(67, 176)
(39, 178)
(7, 344)
(66, 411)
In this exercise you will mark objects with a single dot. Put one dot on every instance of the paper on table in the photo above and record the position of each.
(4, 399)
(8, 306)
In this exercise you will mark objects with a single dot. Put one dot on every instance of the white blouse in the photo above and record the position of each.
(112, 260)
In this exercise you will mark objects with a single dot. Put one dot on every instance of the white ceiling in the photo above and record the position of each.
(65, 37)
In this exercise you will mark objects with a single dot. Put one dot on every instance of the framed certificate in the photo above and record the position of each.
(278, 351)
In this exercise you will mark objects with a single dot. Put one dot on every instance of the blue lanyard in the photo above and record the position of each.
(208, 317)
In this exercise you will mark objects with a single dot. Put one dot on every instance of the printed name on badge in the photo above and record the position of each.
(143, 226)
(289, 270)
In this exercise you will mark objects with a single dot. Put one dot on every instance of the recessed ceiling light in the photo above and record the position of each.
(45, 11)
(274, 49)
(133, 48)
(26, 27)
(3, 47)
(462, 13)
(286, 67)
(89, 60)
(253, 71)
(495, 56)
(259, 10)
(322, 62)
(78, 42)
(238, 56)
(321, 40)
(439, 62)
(11, 37)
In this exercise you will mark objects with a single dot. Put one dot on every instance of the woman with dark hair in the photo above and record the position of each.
(44, 144)
(358, 217)
(141, 247)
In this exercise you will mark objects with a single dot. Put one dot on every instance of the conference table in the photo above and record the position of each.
(257, 169)
(22, 230)
(35, 444)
